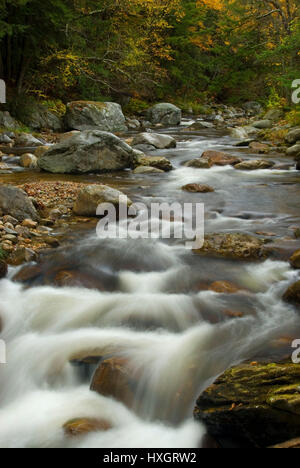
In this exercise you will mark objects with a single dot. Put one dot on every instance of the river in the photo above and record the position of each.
(154, 310)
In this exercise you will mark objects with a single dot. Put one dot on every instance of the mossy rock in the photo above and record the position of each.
(258, 404)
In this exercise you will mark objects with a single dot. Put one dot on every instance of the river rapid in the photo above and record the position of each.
(152, 310)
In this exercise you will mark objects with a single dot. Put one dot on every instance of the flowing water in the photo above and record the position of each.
(151, 309)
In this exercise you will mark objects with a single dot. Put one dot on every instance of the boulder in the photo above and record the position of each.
(113, 379)
(105, 116)
(91, 196)
(157, 140)
(38, 117)
(253, 108)
(233, 245)
(15, 202)
(27, 140)
(263, 124)
(199, 163)
(147, 170)
(238, 132)
(82, 426)
(88, 151)
(165, 114)
(29, 161)
(274, 114)
(22, 255)
(257, 405)
(196, 188)
(260, 148)
(218, 158)
(224, 287)
(293, 150)
(295, 259)
(292, 295)
(293, 136)
(256, 164)
(6, 121)
(159, 162)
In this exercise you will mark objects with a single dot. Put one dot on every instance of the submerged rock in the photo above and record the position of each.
(88, 151)
(233, 245)
(295, 259)
(256, 404)
(218, 158)
(91, 196)
(165, 114)
(113, 379)
(292, 295)
(15, 202)
(253, 165)
(224, 287)
(81, 426)
(196, 188)
(156, 140)
(105, 116)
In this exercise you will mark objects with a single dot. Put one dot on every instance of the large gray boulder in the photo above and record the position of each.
(165, 114)
(274, 114)
(38, 117)
(7, 122)
(105, 116)
(91, 196)
(88, 151)
(263, 124)
(293, 136)
(16, 203)
(253, 108)
(157, 140)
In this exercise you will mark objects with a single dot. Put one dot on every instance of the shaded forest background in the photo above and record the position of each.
(139, 51)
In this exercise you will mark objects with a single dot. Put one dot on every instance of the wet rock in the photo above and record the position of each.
(200, 125)
(253, 165)
(294, 150)
(104, 116)
(199, 163)
(292, 295)
(259, 148)
(91, 196)
(257, 404)
(22, 255)
(156, 140)
(263, 124)
(147, 170)
(244, 143)
(295, 259)
(239, 132)
(165, 114)
(88, 151)
(15, 202)
(10, 219)
(28, 160)
(27, 140)
(224, 287)
(159, 162)
(113, 379)
(28, 274)
(219, 158)
(82, 426)
(233, 245)
(3, 269)
(196, 188)
(293, 136)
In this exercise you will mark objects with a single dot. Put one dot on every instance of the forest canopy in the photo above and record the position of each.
(188, 50)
